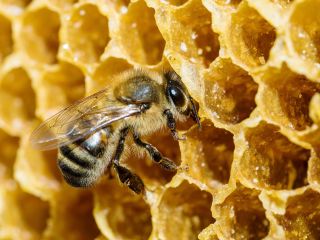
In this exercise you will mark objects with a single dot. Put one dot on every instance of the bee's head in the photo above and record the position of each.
(178, 95)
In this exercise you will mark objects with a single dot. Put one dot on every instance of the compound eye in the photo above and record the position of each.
(177, 96)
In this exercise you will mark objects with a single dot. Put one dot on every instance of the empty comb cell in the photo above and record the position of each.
(208, 155)
(16, 90)
(25, 216)
(38, 36)
(84, 35)
(241, 215)
(106, 73)
(303, 38)
(120, 214)
(36, 171)
(139, 38)
(229, 92)
(301, 218)
(183, 212)
(75, 207)
(249, 37)
(289, 95)
(197, 43)
(58, 86)
(271, 161)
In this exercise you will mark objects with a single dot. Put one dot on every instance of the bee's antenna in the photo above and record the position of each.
(195, 113)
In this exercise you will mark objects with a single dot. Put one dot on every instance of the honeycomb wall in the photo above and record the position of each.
(251, 172)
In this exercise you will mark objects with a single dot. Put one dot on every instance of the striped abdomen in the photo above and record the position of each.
(81, 162)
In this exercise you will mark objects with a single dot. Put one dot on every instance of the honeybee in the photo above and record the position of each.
(90, 134)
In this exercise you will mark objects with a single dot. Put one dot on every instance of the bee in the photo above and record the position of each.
(90, 134)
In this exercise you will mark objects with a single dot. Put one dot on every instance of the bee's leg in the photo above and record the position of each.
(132, 180)
(171, 123)
(156, 156)
(123, 134)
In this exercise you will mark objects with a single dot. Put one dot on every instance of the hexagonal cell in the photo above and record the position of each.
(208, 154)
(241, 215)
(38, 36)
(72, 215)
(85, 35)
(138, 36)
(183, 212)
(229, 92)
(120, 214)
(270, 161)
(24, 216)
(141, 163)
(197, 42)
(16, 91)
(303, 36)
(58, 86)
(206, 41)
(302, 217)
(8, 151)
(284, 97)
(249, 37)
(37, 171)
(105, 73)
(6, 42)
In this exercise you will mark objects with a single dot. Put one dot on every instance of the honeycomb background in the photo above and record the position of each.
(253, 172)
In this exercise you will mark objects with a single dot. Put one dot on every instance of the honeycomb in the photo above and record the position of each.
(251, 172)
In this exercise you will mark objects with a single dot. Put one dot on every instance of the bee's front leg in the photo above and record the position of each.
(130, 179)
(171, 123)
(156, 156)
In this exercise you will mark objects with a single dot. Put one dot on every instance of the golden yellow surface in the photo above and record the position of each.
(252, 172)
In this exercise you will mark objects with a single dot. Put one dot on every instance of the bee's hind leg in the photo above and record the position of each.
(127, 177)
(156, 156)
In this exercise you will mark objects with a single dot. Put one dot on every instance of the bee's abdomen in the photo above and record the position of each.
(78, 155)
(80, 162)
(96, 150)
(77, 166)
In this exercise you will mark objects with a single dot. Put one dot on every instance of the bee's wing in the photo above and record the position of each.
(80, 119)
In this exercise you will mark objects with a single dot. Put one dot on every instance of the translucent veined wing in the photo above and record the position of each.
(80, 119)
